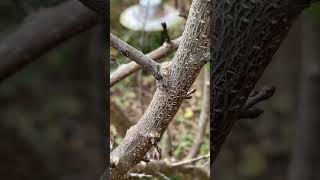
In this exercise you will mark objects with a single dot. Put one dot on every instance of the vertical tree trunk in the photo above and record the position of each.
(306, 158)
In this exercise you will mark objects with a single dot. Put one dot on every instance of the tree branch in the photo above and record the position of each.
(125, 70)
(204, 117)
(154, 167)
(137, 56)
(178, 76)
(42, 31)
(241, 54)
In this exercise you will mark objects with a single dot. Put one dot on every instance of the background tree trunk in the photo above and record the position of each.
(306, 158)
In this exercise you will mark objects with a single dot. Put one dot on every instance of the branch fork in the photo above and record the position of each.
(137, 56)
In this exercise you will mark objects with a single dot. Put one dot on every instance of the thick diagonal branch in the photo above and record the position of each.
(241, 50)
(125, 70)
(137, 56)
(42, 31)
(178, 77)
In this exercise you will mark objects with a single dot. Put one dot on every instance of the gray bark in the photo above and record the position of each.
(178, 76)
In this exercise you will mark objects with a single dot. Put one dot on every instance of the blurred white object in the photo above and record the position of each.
(148, 16)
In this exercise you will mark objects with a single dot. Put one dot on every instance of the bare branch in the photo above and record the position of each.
(204, 117)
(137, 56)
(179, 76)
(189, 161)
(42, 31)
(164, 167)
(125, 70)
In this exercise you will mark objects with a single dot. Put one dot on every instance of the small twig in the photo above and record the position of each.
(190, 160)
(190, 93)
(137, 56)
(165, 32)
(248, 110)
(125, 70)
(140, 175)
(163, 176)
(204, 117)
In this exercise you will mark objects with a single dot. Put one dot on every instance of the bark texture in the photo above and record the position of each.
(42, 31)
(246, 34)
(178, 76)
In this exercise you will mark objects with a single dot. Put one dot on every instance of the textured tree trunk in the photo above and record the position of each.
(305, 162)
(246, 34)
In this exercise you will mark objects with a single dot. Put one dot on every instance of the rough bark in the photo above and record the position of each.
(305, 162)
(246, 34)
(42, 31)
(178, 76)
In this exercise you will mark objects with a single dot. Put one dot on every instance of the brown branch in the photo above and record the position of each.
(164, 167)
(125, 70)
(137, 56)
(204, 117)
(42, 31)
(178, 76)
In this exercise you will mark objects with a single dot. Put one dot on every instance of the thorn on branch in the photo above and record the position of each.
(190, 93)
(165, 32)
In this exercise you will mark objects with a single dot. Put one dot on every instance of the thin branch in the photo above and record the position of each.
(140, 175)
(137, 56)
(125, 70)
(204, 117)
(189, 161)
(166, 168)
(42, 31)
